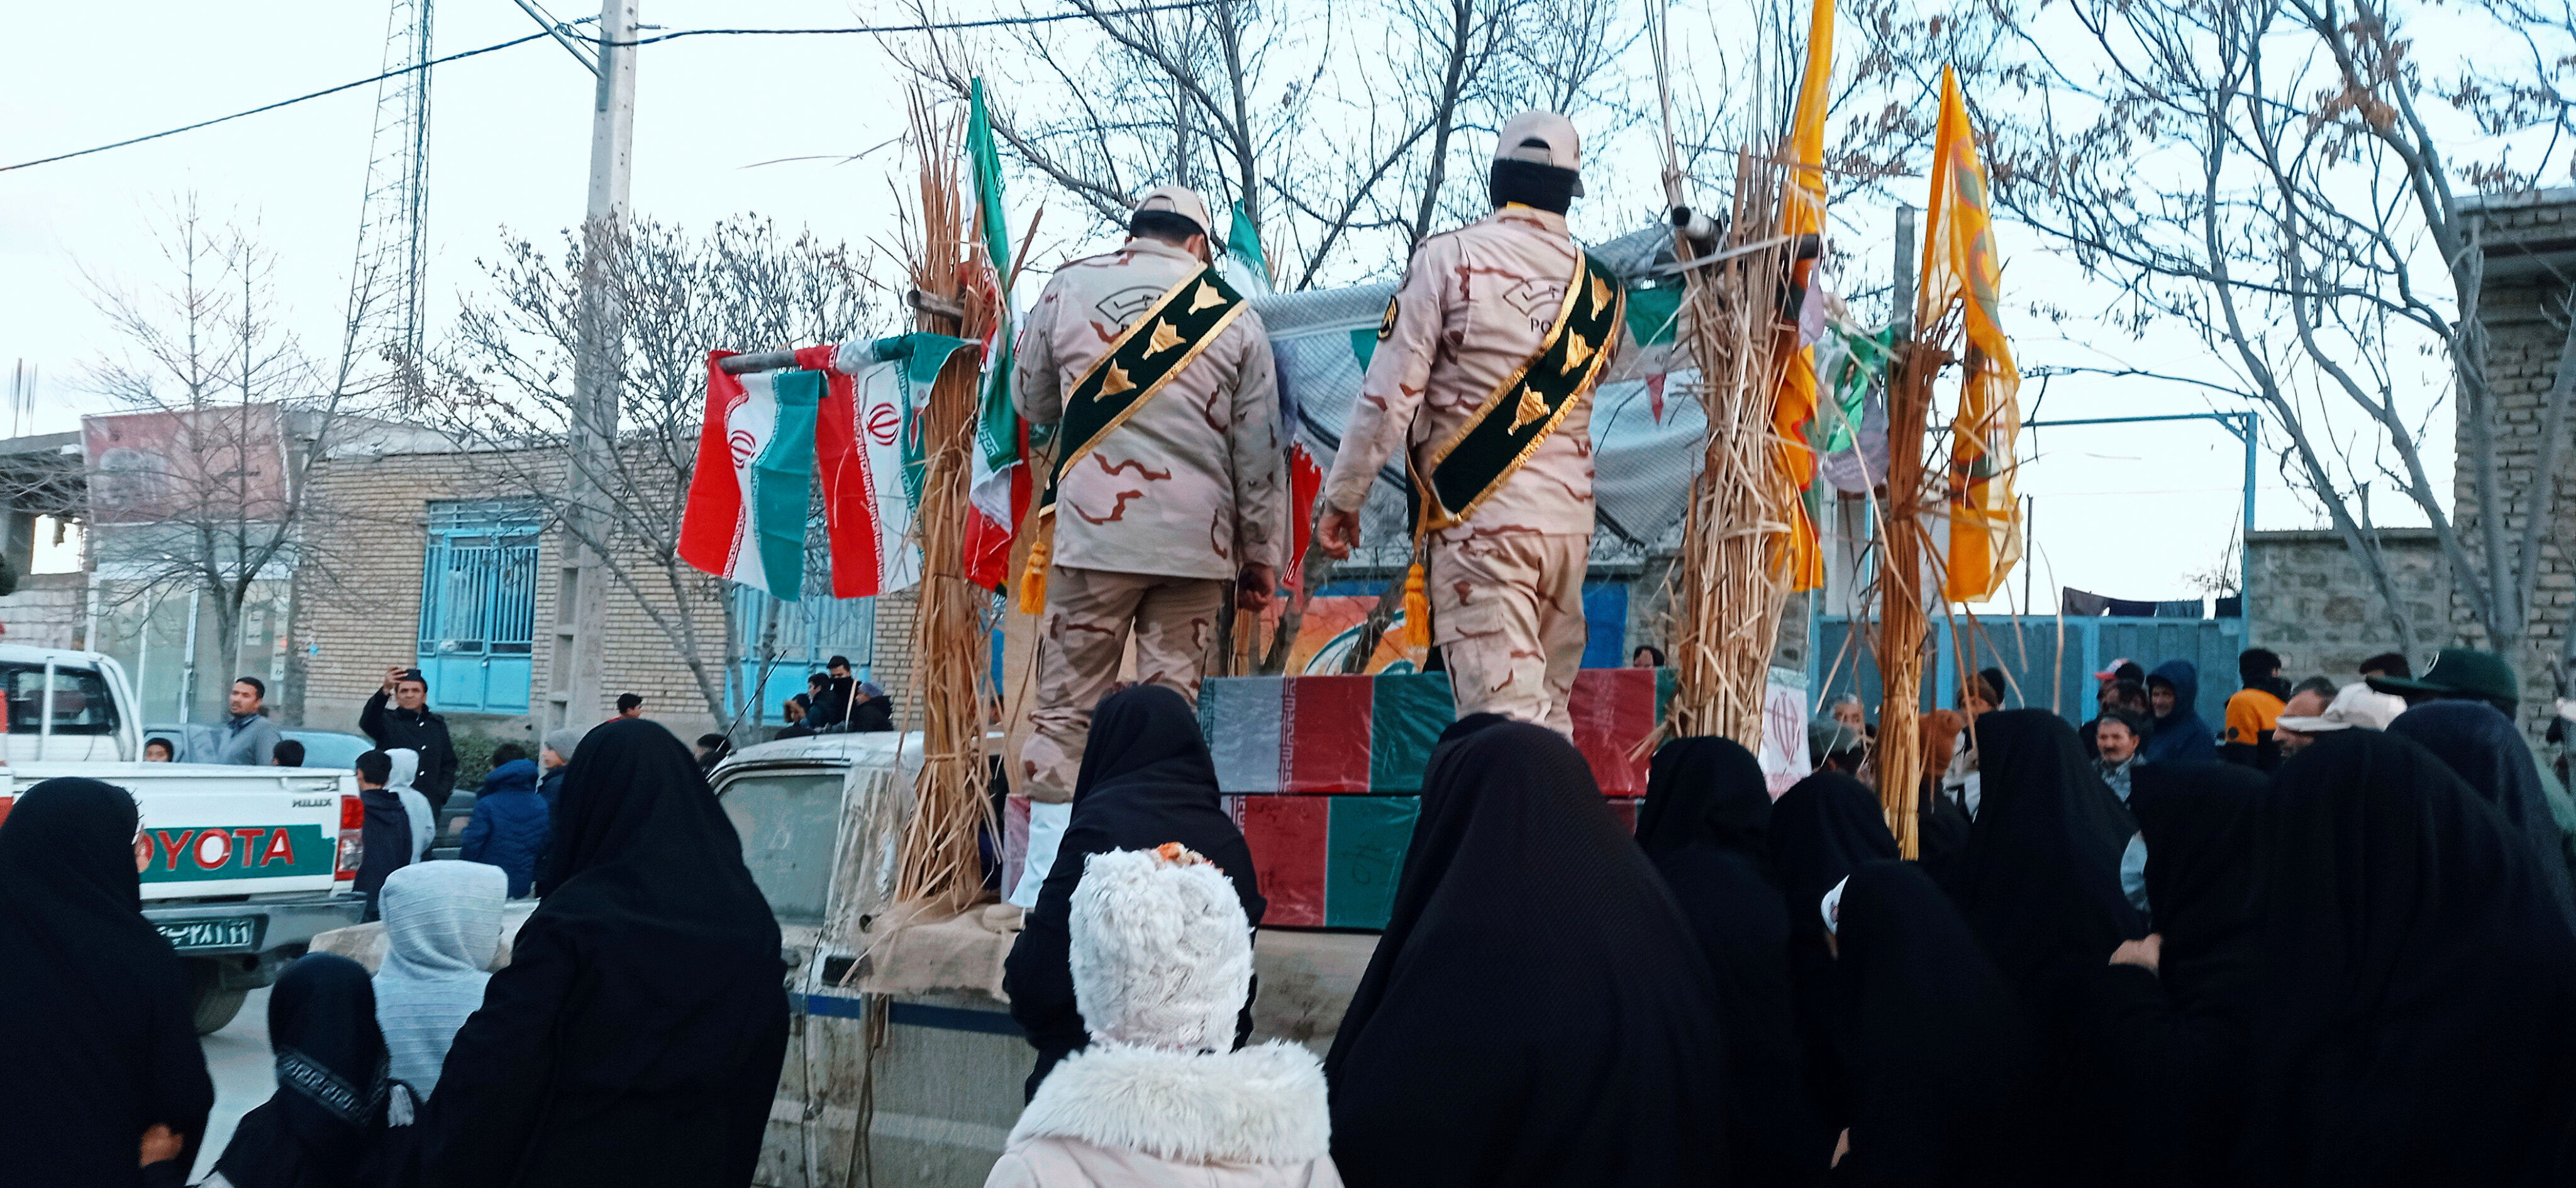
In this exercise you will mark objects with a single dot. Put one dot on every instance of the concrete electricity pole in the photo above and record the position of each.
(578, 672)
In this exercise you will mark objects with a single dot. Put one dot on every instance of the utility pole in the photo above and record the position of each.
(578, 670)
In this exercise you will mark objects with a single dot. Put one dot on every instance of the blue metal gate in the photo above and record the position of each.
(478, 605)
(2043, 672)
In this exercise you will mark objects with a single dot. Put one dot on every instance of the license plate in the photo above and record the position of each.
(231, 932)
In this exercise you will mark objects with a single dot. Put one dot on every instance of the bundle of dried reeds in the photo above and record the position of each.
(1911, 569)
(941, 868)
(1732, 580)
(1899, 594)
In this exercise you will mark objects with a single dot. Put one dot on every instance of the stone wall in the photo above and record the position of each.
(50, 610)
(2313, 605)
(2530, 246)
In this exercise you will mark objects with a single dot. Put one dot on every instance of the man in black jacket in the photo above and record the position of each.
(384, 841)
(408, 722)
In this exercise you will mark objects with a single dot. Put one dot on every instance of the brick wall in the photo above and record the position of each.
(890, 664)
(2530, 244)
(2313, 605)
(361, 603)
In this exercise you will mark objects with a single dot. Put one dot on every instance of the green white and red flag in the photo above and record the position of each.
(748, 495)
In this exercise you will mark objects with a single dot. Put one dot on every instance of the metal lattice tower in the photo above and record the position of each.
(385, 286)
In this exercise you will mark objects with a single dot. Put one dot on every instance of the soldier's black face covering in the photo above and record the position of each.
(1532, 184)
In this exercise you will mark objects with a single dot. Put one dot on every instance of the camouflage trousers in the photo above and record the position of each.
(1507, 612)
(1088, 617)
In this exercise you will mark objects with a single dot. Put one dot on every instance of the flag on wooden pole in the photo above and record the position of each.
(745, 518)
(1802, 214)
(999, 485)
(1960, 265)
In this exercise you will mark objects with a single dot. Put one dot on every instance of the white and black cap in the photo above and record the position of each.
(1542, 138)
(1179, 200)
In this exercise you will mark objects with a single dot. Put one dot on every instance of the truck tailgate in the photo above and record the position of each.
(220, 830)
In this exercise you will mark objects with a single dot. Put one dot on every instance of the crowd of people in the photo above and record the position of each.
(2337, 955)
(2330, 946)
(834, 702)
(634, 1036)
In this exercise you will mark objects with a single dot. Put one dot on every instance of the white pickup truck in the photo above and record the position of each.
(247, 863)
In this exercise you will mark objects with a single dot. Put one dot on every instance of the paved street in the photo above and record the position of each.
(244, 1075)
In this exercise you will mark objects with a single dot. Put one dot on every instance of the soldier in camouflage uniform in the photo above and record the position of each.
(1506, 587)
(1174, 508)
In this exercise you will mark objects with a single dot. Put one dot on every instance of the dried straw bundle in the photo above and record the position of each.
(1732, 578)
(1910, 570)
(1898, 592)
(941, 867)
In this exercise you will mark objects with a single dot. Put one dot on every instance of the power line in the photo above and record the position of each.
(566, 32)
(274, 106)
(934, 27)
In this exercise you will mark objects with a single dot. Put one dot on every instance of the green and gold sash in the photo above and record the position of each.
(1155, 347)
(1470, 465)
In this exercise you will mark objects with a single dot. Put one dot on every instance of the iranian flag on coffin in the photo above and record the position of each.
(745, 518)
(867, 513)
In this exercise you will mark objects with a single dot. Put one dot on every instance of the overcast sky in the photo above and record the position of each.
(2128, 511)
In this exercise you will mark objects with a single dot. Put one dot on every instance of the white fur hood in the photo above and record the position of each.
(1264, 1104)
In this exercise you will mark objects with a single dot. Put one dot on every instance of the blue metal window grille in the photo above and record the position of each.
(478, 604)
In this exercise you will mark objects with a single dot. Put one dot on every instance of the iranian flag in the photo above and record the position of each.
(859, 456)
(998, 486)
(745, 518)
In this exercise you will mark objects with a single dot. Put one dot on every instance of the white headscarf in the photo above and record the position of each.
(424, 819)
(442, 926)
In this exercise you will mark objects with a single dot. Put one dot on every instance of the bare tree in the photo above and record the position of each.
(1335, 127)
(202, 488)
(2284, 179)
(501, 387)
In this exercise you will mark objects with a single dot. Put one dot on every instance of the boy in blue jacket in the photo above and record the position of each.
(510, 826)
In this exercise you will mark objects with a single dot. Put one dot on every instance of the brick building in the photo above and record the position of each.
(425, 567)
(2529, 244)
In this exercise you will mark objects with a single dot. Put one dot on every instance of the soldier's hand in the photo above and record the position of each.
(1337, 532)
(1255, 587)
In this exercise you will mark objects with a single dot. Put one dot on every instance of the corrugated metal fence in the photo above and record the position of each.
(2043, 669)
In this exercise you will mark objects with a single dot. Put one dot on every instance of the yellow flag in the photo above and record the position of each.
(1802, 213)
(1960, 267)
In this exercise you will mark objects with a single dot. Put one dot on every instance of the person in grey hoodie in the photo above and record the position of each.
(554, 757)
(250, 739)
(442, 929)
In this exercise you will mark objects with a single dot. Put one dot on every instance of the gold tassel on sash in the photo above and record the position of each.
(1417, 607)
(1033, 578)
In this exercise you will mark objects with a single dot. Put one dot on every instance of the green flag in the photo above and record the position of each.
(997, 436)
(1243, 244)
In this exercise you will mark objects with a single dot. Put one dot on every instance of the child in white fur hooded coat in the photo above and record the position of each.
(1162, 960)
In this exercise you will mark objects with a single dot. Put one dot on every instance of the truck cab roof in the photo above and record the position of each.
(63, 657)
(867, 749)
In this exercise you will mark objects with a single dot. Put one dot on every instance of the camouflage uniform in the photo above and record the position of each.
(1506, 587)
(1153, 526)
